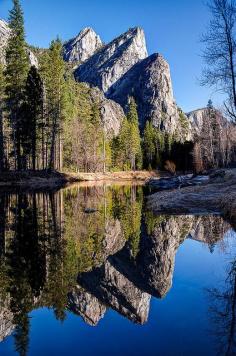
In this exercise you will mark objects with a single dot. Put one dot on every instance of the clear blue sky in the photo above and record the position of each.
(172, 27)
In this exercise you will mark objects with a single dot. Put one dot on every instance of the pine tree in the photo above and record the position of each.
(33, 111)
(121, 147)
(2, 100)
(149, 148)
(135, 150)
(16, 73)
(54, 79)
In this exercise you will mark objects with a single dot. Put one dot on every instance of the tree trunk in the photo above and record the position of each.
(1, 142)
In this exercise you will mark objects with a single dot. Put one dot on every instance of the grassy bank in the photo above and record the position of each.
(116, 176)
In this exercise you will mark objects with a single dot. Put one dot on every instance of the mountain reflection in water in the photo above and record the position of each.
(88, 249)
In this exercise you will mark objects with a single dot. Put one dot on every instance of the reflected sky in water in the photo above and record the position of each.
(88, 271)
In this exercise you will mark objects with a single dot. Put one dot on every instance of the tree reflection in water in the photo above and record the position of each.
(85, 250)
(223, 313)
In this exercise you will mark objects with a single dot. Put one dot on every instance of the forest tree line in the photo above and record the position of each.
(48, 121)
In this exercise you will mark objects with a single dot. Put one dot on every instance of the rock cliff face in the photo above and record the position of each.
(112, 288)
(149, 82)
(82, 47)
(5, 33)
(111, 112)
(86, 305)
(125, 283)
(112, 61)
(122, 69)
(157, 259)
(209, 229)
(196, 119)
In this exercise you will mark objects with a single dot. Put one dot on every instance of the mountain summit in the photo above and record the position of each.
(82, 46)
(122, 69)
(112, 61)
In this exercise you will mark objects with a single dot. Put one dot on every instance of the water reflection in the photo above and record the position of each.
(222, 310)
(87, 249)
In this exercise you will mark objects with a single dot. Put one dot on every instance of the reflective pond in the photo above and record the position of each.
(88, 271)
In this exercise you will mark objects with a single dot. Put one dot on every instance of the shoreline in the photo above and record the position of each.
(116, 176)
(218, 196)
(36, 180)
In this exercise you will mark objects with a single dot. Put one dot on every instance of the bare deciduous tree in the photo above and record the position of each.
(220, 51)
(215, 142)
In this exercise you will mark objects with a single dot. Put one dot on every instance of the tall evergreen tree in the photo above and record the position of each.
(135, 150)
(149, 147)
(127, 151)
(2, 100)
(32, 119)
(17, 65)
(54, 77)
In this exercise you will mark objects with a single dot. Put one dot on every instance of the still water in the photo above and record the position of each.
(88, 271)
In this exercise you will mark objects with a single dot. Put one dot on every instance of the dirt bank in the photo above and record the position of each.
(216, 196)
(34, 180)
(40, 180)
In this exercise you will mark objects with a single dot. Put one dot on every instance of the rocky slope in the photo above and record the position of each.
(196, 119)
(111, 62)
(111, 113)
(149, 82)
(126, 283)
(115, 290)
(82, 46)
(5, 33)
(122, 69)
(86, 305)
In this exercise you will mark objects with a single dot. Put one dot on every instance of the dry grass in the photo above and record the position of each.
(116, 176)
(217, 196)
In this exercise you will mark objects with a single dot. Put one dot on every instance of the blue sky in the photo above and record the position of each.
(172, 27)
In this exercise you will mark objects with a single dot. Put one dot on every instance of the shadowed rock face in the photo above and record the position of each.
(86, 305)
(152, 270)
(111, 62)
(111, 112)
(125, 284)
(158, 250)
(122, 69)
(149, 82)
(113, 242)
(80, 48)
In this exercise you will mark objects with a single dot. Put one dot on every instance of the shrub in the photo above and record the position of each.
(170, 167)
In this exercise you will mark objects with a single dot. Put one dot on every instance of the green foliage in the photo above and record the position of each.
(17, 65)
(32, 118)
(127, 151)
(2, 107)
(56, 123)
(183, 127)
(53, 71)
(155, 144)
(87, 147)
